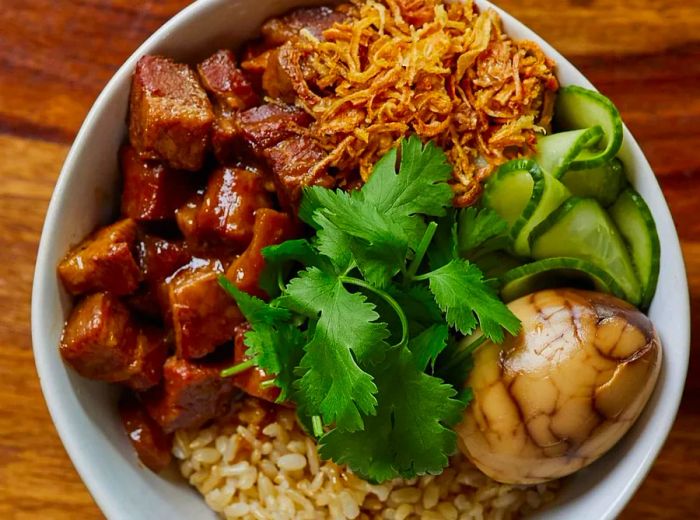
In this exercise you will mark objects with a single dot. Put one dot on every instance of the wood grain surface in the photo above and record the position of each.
(55, 57)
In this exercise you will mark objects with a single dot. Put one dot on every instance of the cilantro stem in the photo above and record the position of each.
(237, 369)
(387, 298)
(267, 384)
(317, 426)
(421, 250)
(462, 354)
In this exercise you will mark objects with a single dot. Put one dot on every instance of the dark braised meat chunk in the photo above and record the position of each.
(185, 216)
(250, 381)
(152, 444)
(170, 115)
(282, 72)
(227, 212)
(264, 126)
(100, 338)
(278, 30)
(160, 257)
(271, 227)
(231, 91)
(226, 82)
(295, 163)
(146, 368)
(103, 261)
(203, 315)
(151, 190)
(192, 392)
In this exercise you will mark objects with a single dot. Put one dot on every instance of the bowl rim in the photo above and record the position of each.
(81, 460)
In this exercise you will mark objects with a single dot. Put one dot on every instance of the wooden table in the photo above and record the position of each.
(55, 57)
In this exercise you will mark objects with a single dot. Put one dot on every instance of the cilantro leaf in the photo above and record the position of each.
(420, 187)
(347, 334)
(378, 244)
(479, 227)
(418, 305)
(315, 198)
(410, 434)
(426, 347)
(456, 360)
(298, 250)
(279, 259)
(462, 293)
(333, 244)
(274, 344)
(443, 248)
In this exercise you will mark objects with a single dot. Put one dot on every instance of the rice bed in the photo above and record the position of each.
(262, 465)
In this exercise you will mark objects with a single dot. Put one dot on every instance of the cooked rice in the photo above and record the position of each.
(262, 465)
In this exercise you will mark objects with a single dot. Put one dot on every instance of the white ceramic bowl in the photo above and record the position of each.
(84, 412)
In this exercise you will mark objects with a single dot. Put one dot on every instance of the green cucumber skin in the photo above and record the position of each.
(553, 194)
(495, 264)
(621, 216)
(558, 165)
(517, 165)
(570, 93)
(603, 281)
(630, 284)
(604, 183)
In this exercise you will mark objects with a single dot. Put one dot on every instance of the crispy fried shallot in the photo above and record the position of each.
(441, 70)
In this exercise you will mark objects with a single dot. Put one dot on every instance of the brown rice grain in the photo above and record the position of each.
(278, 475)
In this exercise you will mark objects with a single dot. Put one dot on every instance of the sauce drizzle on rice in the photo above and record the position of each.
(443, 71)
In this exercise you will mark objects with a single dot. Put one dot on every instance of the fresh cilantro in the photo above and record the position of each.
(411, 432)
(481, 232)
(385, 411)
(427, 345)
(279, 260)
(274, 344)
(347, 333)
(478, 226)
(377, 243)
(419, 188)
(462, 293)
(334, 244)
(443, 249)
(299, 250)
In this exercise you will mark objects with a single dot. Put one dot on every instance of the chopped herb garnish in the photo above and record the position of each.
(357, 338)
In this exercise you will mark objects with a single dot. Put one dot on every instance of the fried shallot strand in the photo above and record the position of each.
(443, 71)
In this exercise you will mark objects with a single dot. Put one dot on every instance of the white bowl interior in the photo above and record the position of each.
(84, 412)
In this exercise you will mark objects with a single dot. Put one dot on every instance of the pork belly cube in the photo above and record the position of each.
(271, 227)
(227, 84)
(151, 190)
(280, 29)
(160, 257)
(231, 91)
(251, 380)
(295, 163)
(103, 261)
(100, 339)
(280, 74)
(264, 126)
(151, 351)
(192, 393)
(228, 210)
(254, 59)
(146, 302)
(227, 140)
(153, 446)
(186, 218)
(203, 315)
(170, 115)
